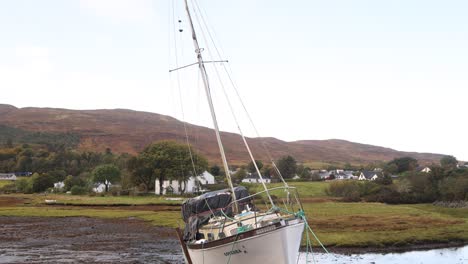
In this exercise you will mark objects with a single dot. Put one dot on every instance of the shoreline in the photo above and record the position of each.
(349, 250)
(169, 233)
(350, 228)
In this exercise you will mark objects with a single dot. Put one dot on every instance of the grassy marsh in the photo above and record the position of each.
(336, 223)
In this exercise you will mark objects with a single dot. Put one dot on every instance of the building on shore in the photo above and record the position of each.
(193, 185)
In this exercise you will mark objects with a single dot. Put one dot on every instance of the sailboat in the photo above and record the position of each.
(231, 225)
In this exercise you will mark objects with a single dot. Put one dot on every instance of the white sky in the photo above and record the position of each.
(388, 73)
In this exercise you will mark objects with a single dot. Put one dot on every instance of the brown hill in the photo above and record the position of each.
(130, 131)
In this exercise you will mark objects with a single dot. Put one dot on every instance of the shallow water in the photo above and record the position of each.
(434, 256)
(52, 255)
(90, 240)
(85, 240)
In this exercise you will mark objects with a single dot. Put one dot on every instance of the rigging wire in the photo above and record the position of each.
(176, 54)
(235, 87)
(205, 78)
(182, 110)
(233, 112)
(187, 141)
(300, 213)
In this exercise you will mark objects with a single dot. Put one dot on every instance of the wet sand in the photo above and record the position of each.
(131, 240)
(85, 240)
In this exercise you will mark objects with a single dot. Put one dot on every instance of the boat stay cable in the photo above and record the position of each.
(236, 121)
(228, 71)
(204, 76)
(187, 141)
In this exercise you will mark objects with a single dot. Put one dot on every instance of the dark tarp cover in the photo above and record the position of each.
(196, 211)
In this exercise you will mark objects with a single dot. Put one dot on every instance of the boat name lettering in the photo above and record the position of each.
(232, 252)
(266, 229)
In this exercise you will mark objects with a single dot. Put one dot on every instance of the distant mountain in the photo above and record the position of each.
(130, 131)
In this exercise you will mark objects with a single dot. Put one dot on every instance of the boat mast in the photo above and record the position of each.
(204, 75)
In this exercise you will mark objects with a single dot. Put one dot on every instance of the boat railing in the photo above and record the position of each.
(290, 204)
(287, 189)
(260, 213)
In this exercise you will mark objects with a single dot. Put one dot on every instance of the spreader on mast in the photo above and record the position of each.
(206, 83)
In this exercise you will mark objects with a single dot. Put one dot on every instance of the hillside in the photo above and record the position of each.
(130, 131)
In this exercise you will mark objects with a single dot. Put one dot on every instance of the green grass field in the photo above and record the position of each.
(305, 189)
(377, 225)
(163, 218)
(4, 183)
(65, 199)
(336, 223)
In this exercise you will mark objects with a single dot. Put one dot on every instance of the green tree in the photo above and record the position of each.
(348, 166)
(58, 175)
(239, 175)
(165, 160)
(106, 174)
(41, 182)
(287, 165)
(251, 167)
(141, 172)
(78, 190)
(423, 188)
(303, 172)
(24, 164)
(404, 164)
(267, 170)
(215, 170)
(108, 151)
(386, 179)
(108, 156)
(315, 176)
(9, 143)
(390, 168)
(349, 190)
(71, 181)
(454, 189)
(448, 162)
(24, 185)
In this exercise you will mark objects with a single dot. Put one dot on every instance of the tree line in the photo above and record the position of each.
(288, 166)
(445, 181)
(79, 171)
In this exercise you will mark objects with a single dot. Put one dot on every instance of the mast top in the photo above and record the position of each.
(204, 75)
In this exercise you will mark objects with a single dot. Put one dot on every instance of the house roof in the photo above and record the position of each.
(255, 176)
(7, 175)
(420, 168)
(370, 174)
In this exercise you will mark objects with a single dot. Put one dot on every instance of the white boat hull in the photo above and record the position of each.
(278, 246)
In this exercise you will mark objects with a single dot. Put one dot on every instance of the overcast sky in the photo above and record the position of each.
(388, 73)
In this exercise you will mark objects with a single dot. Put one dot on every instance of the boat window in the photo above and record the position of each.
(210, 236)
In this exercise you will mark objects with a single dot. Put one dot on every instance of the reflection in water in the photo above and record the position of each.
(435, 256)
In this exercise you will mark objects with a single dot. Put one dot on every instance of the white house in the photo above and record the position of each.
(7, 177)
(194, 184)
(345, 175)
(59, 185)
(324, 174)
(368, 175)
(253, 178)
(424, 169)
(100, 187)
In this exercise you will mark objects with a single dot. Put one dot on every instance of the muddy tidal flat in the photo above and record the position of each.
(85, 240)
